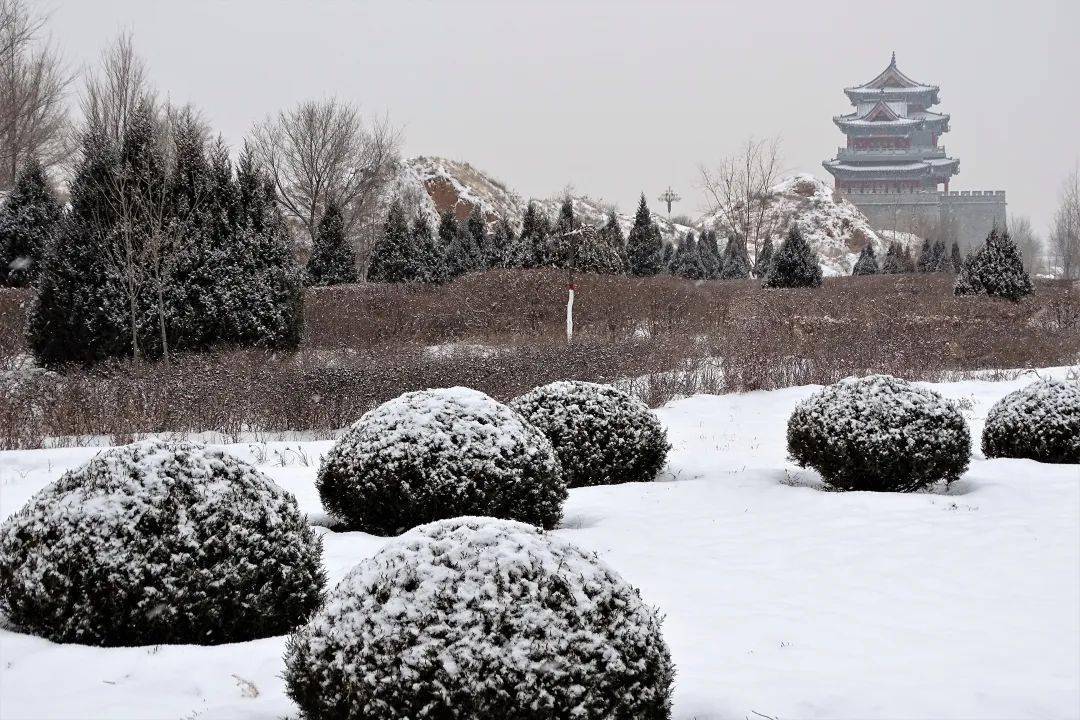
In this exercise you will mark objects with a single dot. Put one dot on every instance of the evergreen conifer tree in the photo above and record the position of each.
(955, 258)
(519, 251)
(893, 263)
(764, 258)
(996, 269)
(393, 259)
(78, 314)
(612, 235)
(645, 249)
(29, 220)
(867, 263)
(795, 264)
(709, 253)
(687, 260)
(449, 237)
(735, 263)
(429, 253)
(501, 241)
(332, 261)
(926, 262)
(940, 257)
(478, 241)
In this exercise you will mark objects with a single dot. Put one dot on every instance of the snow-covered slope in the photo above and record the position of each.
(781, 600)
(833, 226)
(433, 185)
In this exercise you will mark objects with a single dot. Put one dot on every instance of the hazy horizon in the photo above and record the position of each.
(616, 98)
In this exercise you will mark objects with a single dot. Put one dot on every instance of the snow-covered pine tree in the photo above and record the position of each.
(79, 314)
(893, 262)
(867, 263)
(519, 252)
(644, 246)
(563, 244)
(1001, 272)
(795, 264)
(940, 257)
(687, 260)
(709, 254)
(393, 257)
(501, 240)
(955, 259)
(478, 240)
(968, 279)
(668, 252)
(534, 232)
(611, 234)
(449, 237)
(430, 253)
(735, 263)
(764, 258)
(28, 222)
(926, 262)
(261, 284)
(593, 253)
(332, 260)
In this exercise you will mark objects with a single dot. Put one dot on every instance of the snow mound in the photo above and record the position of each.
(1040, 422)
(834, 228)
(433, 185)
(481, 618)
(435, 454)
(159, 542)
(602, 435)
(879, 433)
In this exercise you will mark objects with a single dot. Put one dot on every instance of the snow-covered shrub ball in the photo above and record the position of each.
(1040, 422)
(159, 542)
(879, 433)
(435, 454)
(601, 434)
(481, 618)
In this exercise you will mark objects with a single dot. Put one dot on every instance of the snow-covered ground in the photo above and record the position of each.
(781, 599)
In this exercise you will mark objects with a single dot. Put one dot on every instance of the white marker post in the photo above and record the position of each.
(570, 313)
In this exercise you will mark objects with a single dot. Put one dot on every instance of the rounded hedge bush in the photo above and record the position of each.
(1040, 422)
(879, 433)
(601, 434)
(160, 542)
(435, 454)
(481, 618)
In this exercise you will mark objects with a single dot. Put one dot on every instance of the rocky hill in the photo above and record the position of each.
(834, 227)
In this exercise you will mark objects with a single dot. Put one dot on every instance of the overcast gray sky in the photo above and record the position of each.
(621, 96)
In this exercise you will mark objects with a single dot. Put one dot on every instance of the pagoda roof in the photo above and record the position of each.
(918, 168)
(892, 82)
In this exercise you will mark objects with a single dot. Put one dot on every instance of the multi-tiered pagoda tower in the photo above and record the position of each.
(894, 170)
(892, 137)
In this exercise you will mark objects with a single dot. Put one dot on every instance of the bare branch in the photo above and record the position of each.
(323, 151)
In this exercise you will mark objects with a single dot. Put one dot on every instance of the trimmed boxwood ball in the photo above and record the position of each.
(481, 618)
(1040, 422)
(435, 454)
(601, 434)
(879, 433)
(160, 542)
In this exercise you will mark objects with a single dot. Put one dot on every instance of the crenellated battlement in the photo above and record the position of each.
(968, 215)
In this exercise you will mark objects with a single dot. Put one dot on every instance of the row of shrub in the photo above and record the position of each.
(173, 542)
(160, 542)
(883, 433)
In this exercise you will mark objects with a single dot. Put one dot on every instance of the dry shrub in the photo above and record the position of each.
(503, 332)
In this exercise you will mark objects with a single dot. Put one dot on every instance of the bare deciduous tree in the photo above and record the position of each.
(1065, 235)
(739, 191)
(114, 92)
(321, 151)
(1026, 239)
(33, 83)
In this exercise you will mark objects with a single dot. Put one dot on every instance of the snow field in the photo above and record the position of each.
(779, 598)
